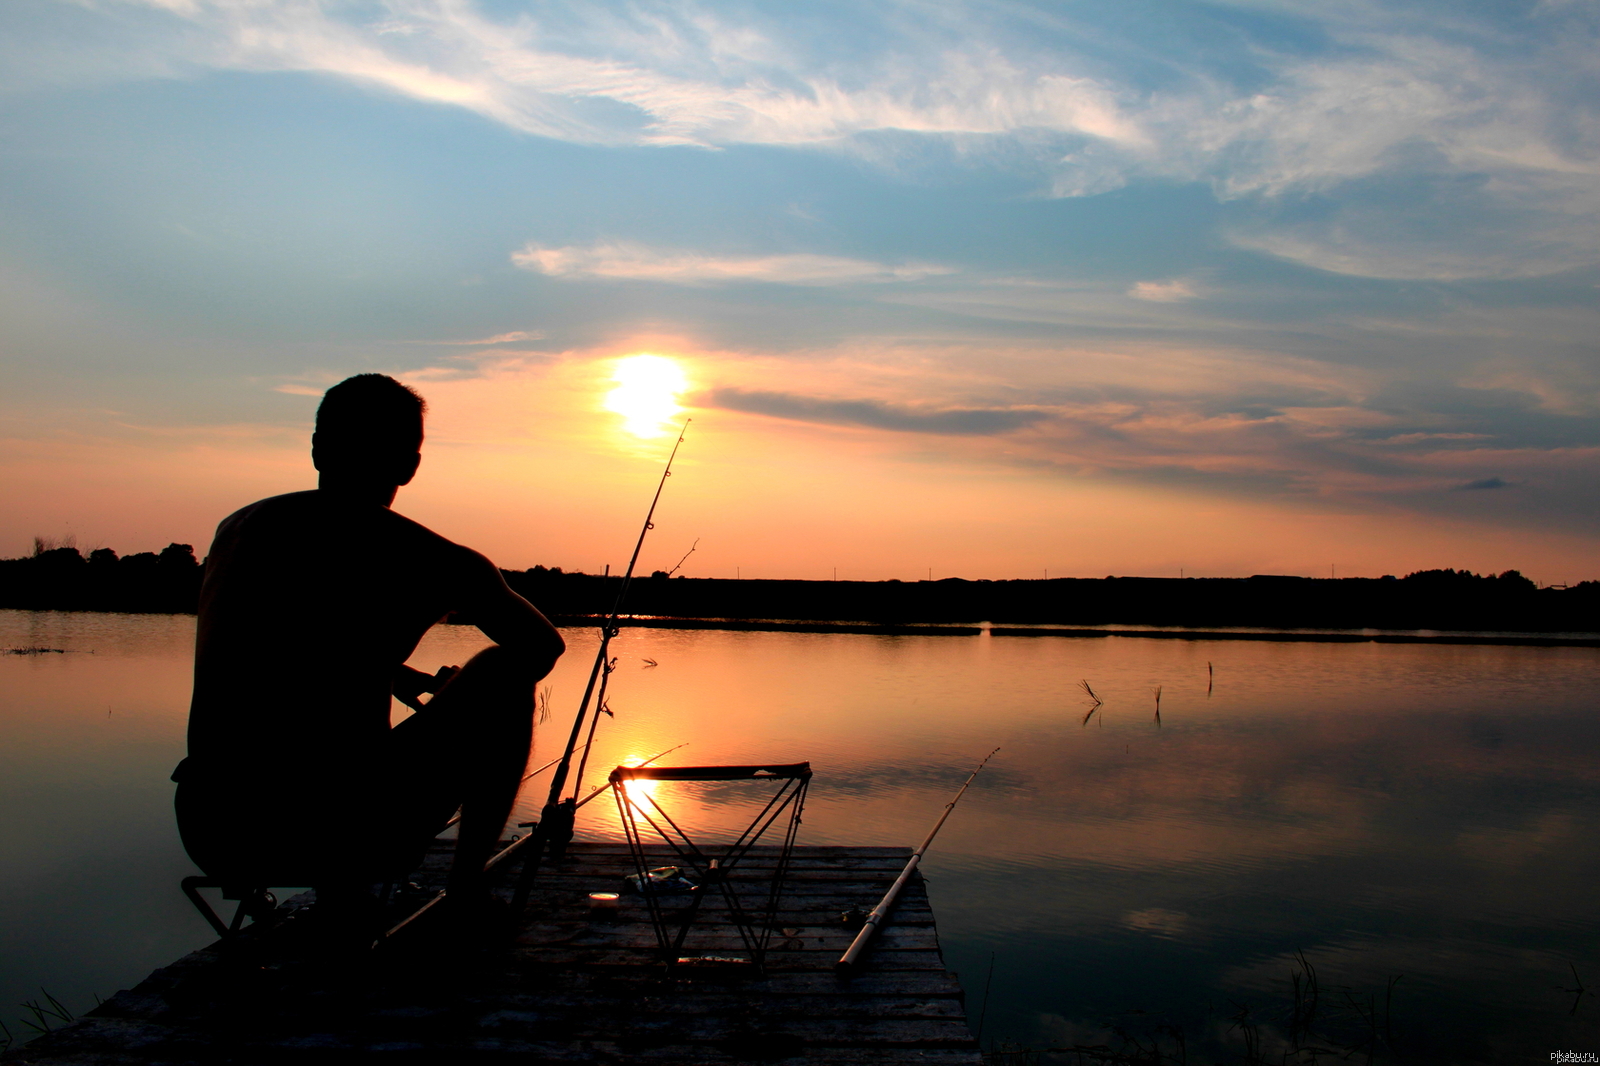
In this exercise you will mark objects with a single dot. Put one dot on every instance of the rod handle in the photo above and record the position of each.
(851, 959)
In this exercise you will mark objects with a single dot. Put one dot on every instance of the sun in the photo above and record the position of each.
(646, 393)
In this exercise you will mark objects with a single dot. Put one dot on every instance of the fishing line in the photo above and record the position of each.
(601, 670)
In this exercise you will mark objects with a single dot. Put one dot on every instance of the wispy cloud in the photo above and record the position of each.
(512, 337)
(1163, 292)
(640, 263)
(1427, 439)
(684, 75)
(1210, 422)
(875, 415)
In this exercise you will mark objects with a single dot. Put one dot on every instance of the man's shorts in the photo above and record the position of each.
(298, 822)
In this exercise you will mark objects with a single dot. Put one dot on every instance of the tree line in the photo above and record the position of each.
(60, 577)
(1428, 599)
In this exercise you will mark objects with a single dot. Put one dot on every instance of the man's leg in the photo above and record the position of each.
(471, 744)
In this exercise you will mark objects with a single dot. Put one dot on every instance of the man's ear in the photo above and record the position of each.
(316, 452)
(408, 469)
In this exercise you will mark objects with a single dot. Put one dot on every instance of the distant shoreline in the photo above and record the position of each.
(1527, 640)
(1425, 607)
(1457, 605)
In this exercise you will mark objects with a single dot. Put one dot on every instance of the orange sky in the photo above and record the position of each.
(525, 461)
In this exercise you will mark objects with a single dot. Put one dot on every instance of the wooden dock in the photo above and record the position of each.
(569, 988)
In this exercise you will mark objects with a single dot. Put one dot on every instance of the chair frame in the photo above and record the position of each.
(256, 902)
(713, 870)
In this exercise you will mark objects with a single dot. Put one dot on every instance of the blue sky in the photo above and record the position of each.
(1323, 271)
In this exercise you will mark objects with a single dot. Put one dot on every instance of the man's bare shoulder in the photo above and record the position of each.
(425, 539)
(312, 506)
(280, 523)
(272, 510)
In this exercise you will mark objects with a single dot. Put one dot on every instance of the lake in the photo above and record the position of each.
(1417, 824)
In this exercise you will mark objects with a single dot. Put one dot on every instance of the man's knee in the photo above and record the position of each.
(510, 663)
(494, 657)
(496, 679)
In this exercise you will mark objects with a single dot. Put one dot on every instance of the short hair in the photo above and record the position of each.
(368, 416)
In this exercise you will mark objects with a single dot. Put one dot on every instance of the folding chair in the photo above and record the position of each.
(712, 870)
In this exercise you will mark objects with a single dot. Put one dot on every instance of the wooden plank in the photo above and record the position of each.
(805, 922)
(814, 899)
(895, 937)
(557, 884)
(831, 1004)
(685, 1027)
(819, 898)
(761, 862)
(846, 859)
(611, 868)
(753, 1047)
(800, 982)
(777, 962)
(617, 851)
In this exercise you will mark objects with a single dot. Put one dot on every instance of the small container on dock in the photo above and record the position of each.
(604, 906)
(662, 881)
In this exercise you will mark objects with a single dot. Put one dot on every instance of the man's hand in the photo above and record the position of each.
(410, 684)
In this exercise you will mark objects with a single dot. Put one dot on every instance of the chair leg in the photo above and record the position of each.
(257, 904)
(191, 887)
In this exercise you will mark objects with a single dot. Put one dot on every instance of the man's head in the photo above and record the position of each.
(369, 432)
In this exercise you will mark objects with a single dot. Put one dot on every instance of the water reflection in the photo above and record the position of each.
(1426, 811)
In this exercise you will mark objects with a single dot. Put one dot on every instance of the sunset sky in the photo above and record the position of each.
(987, 288)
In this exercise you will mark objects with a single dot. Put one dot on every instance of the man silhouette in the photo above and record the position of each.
(311, 604)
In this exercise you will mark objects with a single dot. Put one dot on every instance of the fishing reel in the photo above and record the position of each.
(557, 823)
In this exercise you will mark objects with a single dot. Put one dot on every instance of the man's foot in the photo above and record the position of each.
(344, 920)
(476, 915)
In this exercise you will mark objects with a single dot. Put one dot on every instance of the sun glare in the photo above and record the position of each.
(646, 394)
(640, 788)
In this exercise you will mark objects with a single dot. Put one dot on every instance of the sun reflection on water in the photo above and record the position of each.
(640, 787)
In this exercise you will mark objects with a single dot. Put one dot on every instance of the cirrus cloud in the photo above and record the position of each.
(1163, 292)
(874, 414)
(636, 262)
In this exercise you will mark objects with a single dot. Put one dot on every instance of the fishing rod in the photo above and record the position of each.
(849, 961)
(530, 775)
(556, 819)
(600, 790)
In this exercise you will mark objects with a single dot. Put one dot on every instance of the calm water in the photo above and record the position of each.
(1386, 810)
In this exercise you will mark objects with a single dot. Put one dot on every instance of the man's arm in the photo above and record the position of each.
(508, 619)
